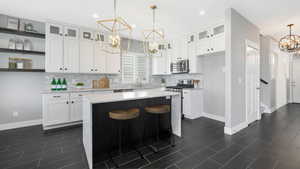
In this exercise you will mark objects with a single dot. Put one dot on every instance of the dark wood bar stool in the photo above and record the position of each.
(122, 116)
(158, 110)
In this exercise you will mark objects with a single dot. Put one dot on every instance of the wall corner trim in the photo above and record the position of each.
(20, 124)
(235, 129)
(213, 117)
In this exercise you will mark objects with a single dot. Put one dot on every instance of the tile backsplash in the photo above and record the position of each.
(115, 80)
(87, 79)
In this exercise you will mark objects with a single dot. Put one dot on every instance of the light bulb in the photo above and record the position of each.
(114, 41)
(153, 47)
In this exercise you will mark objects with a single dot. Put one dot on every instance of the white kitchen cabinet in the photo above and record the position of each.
(203, 43)
(75, 109)
(86, 51)
(54, 48)
(161, 62)
(180, 49)
(71, 49)
(64, 109)
(211, 40)
(113, 63)
(218, 39)
(92, 57)
(62, 48)
(195, 62)
(192, 103)
(55, 109)
(100, 59)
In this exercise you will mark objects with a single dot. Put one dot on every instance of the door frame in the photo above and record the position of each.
(255, 46)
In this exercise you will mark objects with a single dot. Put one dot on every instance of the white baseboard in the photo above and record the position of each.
(192, 117)
(20, 124)
(233, 130)
(61, 125)
(273, 109)
(214, 117)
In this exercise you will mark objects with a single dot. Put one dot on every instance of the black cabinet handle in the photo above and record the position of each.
(208, 50)
(67, 102)
(212, 49)
(60, 68)
(72, 102)
(92, 70)
(66, 68)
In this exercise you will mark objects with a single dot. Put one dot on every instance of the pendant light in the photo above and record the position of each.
(290, 43)
(152, 37)
(116, 27)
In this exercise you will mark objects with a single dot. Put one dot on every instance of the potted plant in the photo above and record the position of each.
(79, 85)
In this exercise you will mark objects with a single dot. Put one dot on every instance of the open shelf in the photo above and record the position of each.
(21, 51)
(22, 33)
(21, 70)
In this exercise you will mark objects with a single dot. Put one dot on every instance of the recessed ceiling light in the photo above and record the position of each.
(133, 25)
(202, 12)
(95, 15)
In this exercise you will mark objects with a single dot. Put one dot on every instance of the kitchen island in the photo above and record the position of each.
(98, 128)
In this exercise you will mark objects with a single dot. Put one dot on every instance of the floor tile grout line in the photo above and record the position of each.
(237, 154)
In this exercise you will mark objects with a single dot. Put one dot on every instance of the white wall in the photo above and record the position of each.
(214, 84)
(237, 29)
(20, 92)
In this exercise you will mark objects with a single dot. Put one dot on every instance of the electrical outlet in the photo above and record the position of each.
(15, 114)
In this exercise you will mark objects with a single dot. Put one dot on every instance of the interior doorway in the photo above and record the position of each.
(252, 82)
(296, 79)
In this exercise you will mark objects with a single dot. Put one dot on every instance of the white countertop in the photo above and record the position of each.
(123, 96)
(76, 90)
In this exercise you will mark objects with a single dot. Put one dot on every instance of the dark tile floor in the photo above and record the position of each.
(272, 143)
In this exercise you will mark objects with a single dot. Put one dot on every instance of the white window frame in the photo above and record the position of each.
(135, 80)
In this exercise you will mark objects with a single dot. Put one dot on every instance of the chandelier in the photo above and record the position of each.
(290, 43)
(152, 37)
(115, 26)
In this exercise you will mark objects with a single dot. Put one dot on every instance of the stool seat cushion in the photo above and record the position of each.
(124, 114)
(158, 109)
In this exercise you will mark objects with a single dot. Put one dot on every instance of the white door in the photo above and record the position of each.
(76, 110)
(187, 107)
(113, 63)
(71, 50)
(99, 58)
(218, 39)
(203, 42)
(54, 48)
(158, 65)
(252, 82)
(57, 112)
(296, 79)
(86, 57)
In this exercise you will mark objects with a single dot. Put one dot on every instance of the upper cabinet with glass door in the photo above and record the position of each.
(211, 39)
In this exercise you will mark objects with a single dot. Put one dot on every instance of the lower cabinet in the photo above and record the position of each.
(192, 103)
(64, 109)
(61, 109)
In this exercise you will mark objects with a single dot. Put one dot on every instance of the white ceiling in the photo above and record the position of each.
(175, 16)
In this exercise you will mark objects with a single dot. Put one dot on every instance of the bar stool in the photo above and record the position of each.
(122, 116)
(158, 110)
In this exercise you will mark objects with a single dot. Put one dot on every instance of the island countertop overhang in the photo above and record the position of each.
(125, 96)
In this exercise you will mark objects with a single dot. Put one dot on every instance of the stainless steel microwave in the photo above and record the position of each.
(181, 66)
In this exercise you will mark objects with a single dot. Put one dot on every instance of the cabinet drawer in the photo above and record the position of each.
(78, 95)
(57, 96)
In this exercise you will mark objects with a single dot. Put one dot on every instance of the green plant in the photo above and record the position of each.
(79, 84)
